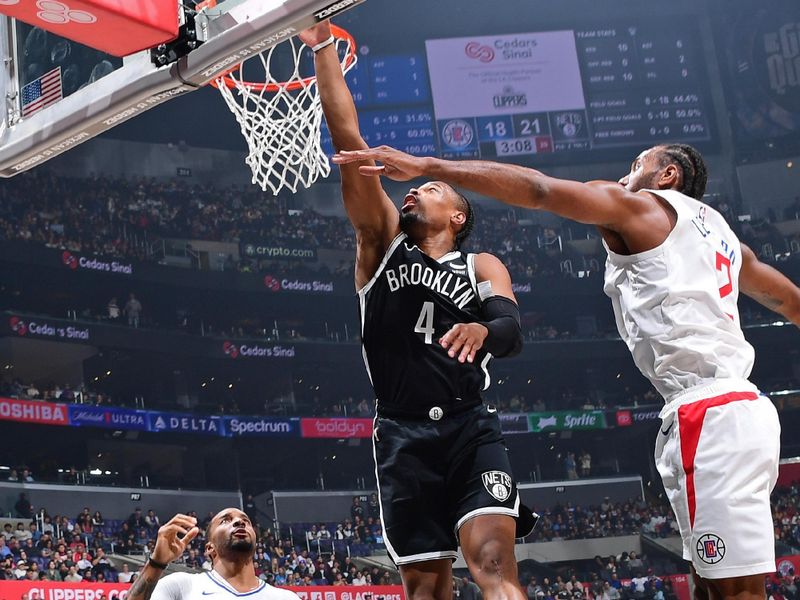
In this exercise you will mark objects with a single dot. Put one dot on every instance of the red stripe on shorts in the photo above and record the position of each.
(690, 424)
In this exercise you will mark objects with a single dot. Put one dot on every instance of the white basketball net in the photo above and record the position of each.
(281, 126)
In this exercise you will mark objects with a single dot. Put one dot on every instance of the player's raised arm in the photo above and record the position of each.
(769, 287)
(601, 203)
(372, 213)
(172, 540)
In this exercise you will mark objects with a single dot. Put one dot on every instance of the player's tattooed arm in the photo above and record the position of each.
(172, 540)
(769, 287)
(144, 584)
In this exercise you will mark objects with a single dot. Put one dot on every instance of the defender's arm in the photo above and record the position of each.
(769, 287)
(601, 203)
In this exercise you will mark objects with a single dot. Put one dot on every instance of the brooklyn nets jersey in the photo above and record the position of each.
(408, 305)
(675, 305)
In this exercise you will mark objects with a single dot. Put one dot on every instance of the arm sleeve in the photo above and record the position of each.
(501, 317)
(176, 586)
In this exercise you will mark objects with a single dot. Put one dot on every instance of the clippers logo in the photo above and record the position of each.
(509, 97)
(59, 13)
(710, 548)
(272, 284)
(785, 567)
(458, 134)
(478, 51)
(230, 349)
(69, 260)
(498, 484)
(18, 326)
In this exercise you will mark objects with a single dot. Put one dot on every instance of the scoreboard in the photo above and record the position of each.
(586, 90)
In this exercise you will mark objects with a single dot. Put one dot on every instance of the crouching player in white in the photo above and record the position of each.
(230, 545)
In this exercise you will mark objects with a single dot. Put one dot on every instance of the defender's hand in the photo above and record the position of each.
(316, 34)
(464, 340)
(396, 165)
(173, 538)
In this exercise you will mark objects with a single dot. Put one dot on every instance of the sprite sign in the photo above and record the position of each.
(566, 420)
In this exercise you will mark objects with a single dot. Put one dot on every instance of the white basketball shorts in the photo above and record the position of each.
(718, 459)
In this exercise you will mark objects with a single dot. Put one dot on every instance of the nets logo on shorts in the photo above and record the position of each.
(498, 484)
(710, 548)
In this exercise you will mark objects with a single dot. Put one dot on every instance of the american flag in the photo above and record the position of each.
(41, 92)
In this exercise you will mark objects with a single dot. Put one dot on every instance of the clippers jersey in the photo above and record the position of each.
(411, 302)
(675, 305)
(198, 586)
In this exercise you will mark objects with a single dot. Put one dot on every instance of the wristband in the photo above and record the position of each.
(322, 45)
(156, 564)
(502, 319)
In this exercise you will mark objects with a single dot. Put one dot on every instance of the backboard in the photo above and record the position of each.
(58, 93)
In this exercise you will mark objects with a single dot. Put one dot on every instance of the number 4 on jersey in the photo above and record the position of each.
(425, 322)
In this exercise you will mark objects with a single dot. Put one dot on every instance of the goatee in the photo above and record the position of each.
(241, 546)
(408, 221)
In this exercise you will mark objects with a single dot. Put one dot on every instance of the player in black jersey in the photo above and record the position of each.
(432, 318)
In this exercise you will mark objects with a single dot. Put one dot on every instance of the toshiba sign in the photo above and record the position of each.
(26, 411)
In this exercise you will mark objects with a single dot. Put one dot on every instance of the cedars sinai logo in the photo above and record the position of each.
(69, 260)
(230, 349)
(479, 51)
(272, 284)
(18, 326)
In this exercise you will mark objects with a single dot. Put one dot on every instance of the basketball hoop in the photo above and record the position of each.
(281, 120)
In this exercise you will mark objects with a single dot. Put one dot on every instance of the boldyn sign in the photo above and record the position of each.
(336, 428)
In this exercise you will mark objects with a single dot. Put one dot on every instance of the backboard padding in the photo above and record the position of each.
(237, 30)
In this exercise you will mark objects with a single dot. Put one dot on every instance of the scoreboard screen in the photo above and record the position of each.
(533, 95)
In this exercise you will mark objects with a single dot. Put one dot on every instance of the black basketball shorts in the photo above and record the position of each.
(433, 476)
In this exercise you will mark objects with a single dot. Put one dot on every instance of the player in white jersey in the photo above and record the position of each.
(674, 272)
(230, 545)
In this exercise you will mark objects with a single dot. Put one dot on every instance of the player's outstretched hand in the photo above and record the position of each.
(173, 538)
(464, 340)
(396, 165)
(316, 34)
